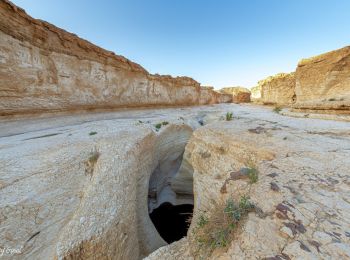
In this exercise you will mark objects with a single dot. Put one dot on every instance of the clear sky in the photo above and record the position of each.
(217, 42)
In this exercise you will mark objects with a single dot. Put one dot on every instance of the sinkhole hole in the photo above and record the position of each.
(172, 221)
(170, 197)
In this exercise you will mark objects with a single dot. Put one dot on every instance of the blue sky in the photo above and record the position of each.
(218, 42)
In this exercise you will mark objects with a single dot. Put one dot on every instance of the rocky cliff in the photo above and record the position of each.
(320, 84)
(209, 96)
(323, 82)
(278, 89)
(256, 93)
(239, 94)
(44, 68)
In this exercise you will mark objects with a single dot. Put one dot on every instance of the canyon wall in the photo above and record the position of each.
(323, 82)
(209, 96)
(278, 89)
(239, 94)
(255, 93)
(320, 84)
(44, 68)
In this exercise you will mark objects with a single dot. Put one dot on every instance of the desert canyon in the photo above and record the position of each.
(99, 159)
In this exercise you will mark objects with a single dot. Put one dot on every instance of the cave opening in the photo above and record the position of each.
(172, 221)
(170, 197)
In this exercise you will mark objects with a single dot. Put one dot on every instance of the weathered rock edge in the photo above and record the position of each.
(320, 84)
(45, 69)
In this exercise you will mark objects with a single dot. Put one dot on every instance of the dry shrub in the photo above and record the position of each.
(218, 229)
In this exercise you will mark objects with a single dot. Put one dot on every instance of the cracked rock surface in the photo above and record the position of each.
(302, 192)
(76, 186)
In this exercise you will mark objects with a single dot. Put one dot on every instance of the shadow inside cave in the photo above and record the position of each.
(172, 221)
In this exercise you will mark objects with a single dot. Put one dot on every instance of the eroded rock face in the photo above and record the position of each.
(83, 192)
(278, 89)
(44, 68)
(77, 186)
(323, 82)
(301, 196)
(239, 94)
(320, 84)
(256, 93)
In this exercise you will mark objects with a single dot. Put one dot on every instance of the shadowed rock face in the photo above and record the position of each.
(44, 68)
(239, 94)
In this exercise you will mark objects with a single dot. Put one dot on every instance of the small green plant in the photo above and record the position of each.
(277, 110)
(92, 133)
(218, 229)
(158, 126)
(245, 204)
(253, 175)
(229, 116)
(202, 221)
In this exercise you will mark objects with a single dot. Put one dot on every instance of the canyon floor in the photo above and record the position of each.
(58, 201)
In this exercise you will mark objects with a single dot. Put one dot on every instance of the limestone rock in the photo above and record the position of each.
(256, 93)
(323, 82)
(44, 68)
(239, 94)
(76, 187)
(305, 217)
(74, 194)
(278, 89)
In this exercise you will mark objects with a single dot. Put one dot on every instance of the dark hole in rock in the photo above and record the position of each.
(172, 221)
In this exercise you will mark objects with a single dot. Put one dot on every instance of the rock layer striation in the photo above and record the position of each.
(44, 68)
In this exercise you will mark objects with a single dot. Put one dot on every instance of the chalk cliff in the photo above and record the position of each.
(44, 68)
(323, 82)
(320, 84)
(278, 89)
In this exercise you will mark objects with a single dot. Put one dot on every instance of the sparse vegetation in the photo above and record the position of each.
(92, 133)
(90, 163)
(94, 157)
(253, 175)
(229, 116)
(202, 221)
(217, 230)
(277, 110)
(158, 126)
